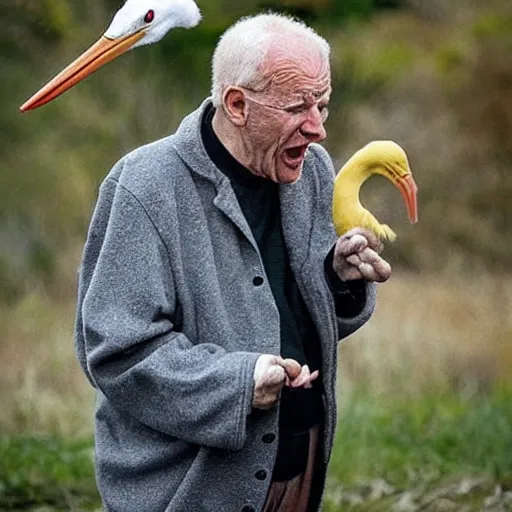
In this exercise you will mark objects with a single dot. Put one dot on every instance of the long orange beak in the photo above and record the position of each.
(99, 54)
(409, 191)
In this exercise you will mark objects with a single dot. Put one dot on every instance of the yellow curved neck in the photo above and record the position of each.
(347, 210)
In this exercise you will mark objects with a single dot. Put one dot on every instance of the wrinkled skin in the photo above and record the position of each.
(272, 373)
(356, 256)
(269, 141)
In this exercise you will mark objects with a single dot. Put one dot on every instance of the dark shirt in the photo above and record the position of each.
(258, 197)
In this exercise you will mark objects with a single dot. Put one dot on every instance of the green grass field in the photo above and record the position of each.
(438, 453)
(46, 473)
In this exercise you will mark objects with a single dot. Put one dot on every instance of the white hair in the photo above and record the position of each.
(241, 51)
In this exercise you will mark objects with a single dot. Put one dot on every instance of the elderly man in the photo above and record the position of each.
(213, 292)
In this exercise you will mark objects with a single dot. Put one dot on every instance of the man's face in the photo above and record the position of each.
(284, 119)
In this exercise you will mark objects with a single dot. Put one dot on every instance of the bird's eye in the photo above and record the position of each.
(150, 16)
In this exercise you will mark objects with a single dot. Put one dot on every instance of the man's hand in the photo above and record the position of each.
(271, 373)
(356, 256)
(304, 379)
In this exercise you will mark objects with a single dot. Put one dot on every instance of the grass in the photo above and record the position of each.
(383, 449)
(46, 472)
(432, 334)
(42, 389)
(425, 403)
(428, 438)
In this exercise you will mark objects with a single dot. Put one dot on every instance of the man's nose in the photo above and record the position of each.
(313, 126)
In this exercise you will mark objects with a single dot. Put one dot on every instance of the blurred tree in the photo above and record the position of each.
(26, 25)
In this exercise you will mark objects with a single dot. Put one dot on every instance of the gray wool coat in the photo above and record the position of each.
(170, 325)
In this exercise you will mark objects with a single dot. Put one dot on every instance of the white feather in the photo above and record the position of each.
(168, 14)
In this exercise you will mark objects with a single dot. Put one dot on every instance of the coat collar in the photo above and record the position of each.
(189, 145)
(296, 200)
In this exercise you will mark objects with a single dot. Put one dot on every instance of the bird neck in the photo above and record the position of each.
(347, 186)
(348, 212)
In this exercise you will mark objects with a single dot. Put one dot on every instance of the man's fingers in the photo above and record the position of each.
(305, 378)
(355, 260)
(370, 265)
(373, 240)
(370, 236)
(268, 385)
(308, 384)
(273, 377)
(312, 377)
(379, 265)
(346, 267)
(373, 267)
(276, 372)
(302, 378)
(291, 367)
(351, 245)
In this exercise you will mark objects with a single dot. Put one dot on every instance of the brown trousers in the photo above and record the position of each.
(293, 496)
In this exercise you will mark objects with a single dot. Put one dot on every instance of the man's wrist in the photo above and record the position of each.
(336, 285)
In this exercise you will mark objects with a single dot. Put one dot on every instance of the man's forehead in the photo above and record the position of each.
(298, 71)
(311, 93)
(296, 82)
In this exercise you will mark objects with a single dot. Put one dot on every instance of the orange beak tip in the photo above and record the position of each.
(409, 190)
(101, 52)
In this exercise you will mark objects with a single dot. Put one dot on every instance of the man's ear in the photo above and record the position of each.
(235, 105)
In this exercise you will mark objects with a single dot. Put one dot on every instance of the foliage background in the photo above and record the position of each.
(434, 76)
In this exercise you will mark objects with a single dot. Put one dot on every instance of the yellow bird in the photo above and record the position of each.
(378, 157)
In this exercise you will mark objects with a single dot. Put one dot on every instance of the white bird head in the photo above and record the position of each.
(152, 18)
(137, 23)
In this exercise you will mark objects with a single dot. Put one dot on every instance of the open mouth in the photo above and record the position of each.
(295, 156)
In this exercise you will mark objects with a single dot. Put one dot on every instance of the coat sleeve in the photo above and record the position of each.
(350, 320)
(131, 351)
(348, 325)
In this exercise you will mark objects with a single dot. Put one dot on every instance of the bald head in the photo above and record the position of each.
(248, 52)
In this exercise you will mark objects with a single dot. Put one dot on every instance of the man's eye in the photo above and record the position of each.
(297, 109)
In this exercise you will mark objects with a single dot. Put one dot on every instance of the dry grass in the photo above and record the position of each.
(433, 333)
(42, 388)
(428, 334)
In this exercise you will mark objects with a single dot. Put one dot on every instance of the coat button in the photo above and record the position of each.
(257, 281)
(269, 438)
(248, 508)
(261, 474)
